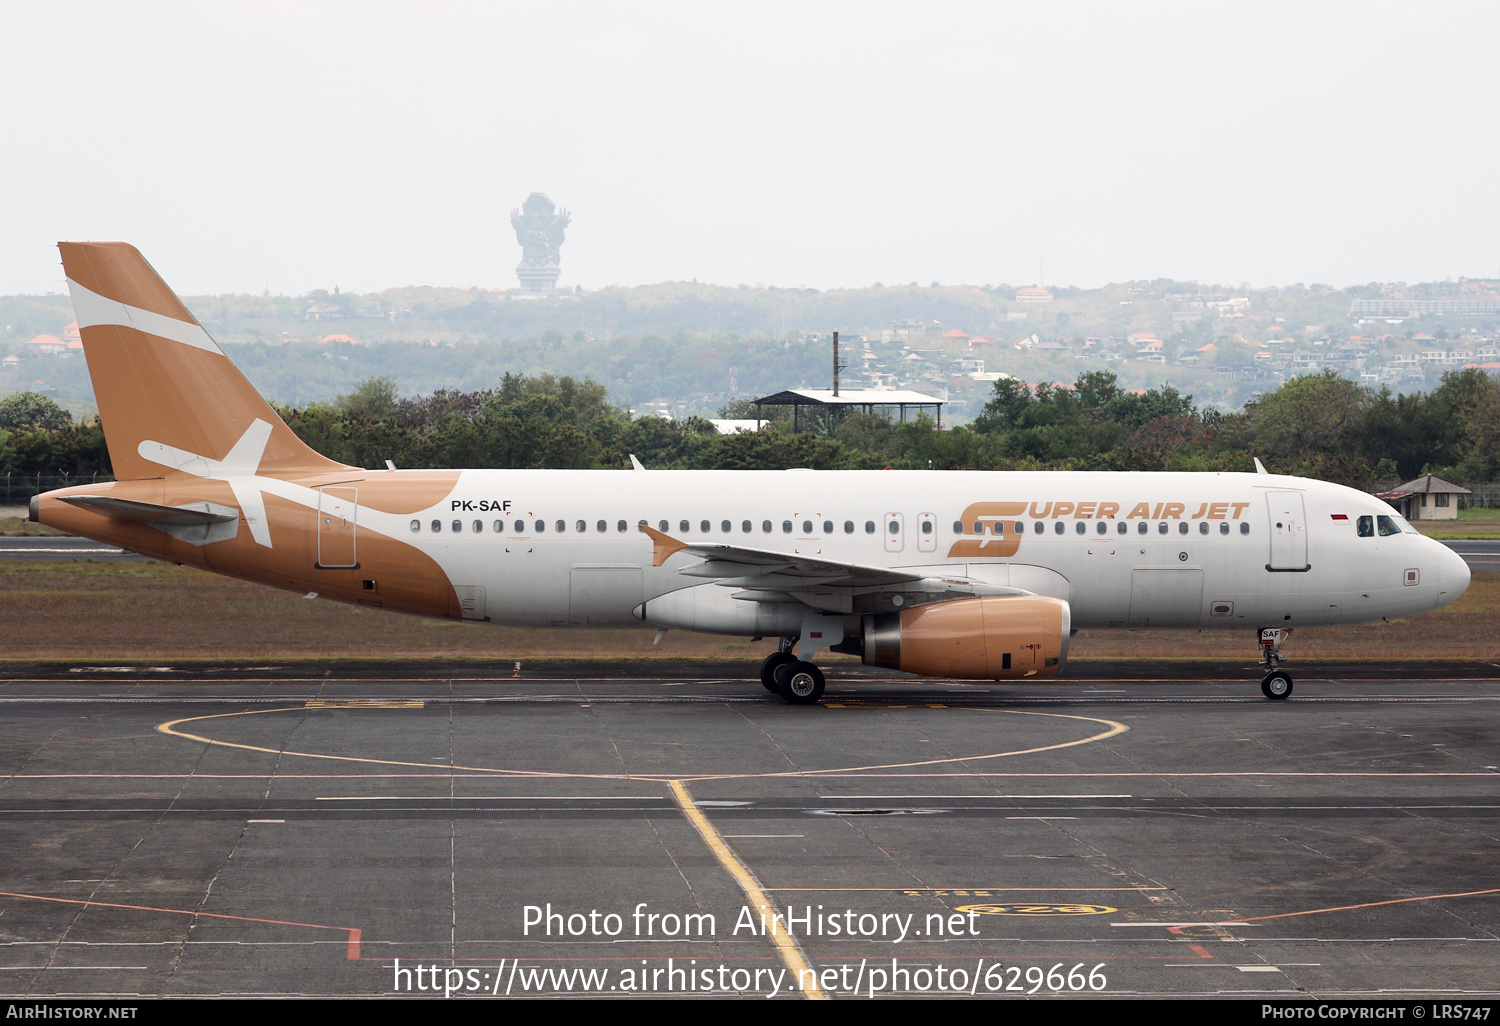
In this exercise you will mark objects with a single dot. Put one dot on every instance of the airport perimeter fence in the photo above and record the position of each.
(17, 489)
(1486, 494)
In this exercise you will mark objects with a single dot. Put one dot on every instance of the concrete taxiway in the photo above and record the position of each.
(608, 829)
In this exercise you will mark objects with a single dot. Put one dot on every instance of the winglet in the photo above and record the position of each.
(664, 545)
(1260, 467)
(635, 464)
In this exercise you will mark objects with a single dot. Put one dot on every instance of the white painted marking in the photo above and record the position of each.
(895, 797)
(1230, 923)
(93, 309)
(504, 798)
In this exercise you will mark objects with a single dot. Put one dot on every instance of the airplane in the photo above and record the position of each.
(959, 575)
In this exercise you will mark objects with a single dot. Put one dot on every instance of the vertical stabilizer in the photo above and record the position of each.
(169, 399)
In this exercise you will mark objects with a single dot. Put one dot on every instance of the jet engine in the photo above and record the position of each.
(986, 638)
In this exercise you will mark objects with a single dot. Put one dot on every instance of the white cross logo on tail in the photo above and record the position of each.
(239, 469)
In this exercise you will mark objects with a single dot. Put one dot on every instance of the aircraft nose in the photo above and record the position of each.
(1453, 575)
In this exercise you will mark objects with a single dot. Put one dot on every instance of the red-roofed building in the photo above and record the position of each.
(1033, 294)
(47, 344)
(338, 338)
(72, 337)
(956, 334)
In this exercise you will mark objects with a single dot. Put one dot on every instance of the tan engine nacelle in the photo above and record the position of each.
(988, 638)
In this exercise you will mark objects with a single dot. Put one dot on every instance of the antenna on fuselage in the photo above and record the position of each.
(1260, 468)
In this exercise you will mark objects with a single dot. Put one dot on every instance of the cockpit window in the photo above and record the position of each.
(1395, 523)
(1366, 527)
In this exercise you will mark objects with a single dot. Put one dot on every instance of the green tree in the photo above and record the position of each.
(32, 411)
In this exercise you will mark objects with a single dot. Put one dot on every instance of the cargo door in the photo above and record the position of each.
(1288, 525)
(604, 596)
(1165, 597)
(338, 507)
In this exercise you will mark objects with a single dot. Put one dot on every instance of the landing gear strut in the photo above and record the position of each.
(1277, 683)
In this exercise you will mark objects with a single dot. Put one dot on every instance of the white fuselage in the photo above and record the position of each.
(1126, 550)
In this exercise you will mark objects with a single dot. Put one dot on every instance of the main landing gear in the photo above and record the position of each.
(1277, 683)
(799, 682)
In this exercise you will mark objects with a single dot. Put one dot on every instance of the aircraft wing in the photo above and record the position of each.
(830, 585)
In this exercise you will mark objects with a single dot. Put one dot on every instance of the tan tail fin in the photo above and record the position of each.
(169, 399)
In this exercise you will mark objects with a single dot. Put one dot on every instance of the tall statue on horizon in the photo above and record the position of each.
(539, 229)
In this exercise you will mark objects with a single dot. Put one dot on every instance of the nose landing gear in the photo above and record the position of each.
(1277, 683)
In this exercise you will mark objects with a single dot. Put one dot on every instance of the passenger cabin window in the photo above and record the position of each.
(1103, 527)
(895, 527)
(726, 527)
(998, 527)
(765, 527)
(682, 525)
(1161, 528)
(1020, 527)
(458, 526)
(1143, 528)
(848, 527)
(806, 527)
(1038, 527)
(520, 527)
(745, 526)
(416, 525)
(828, 527)
(1122, 528)
(581, 527)
(1223, 528)
(662, 525)
(958, 527)
(927, 527)
(603, 526)
(1082, 527)
(869, 527)
(479, 527)
(541, 526)
(1058, 528)
(437, 525)
(1366, 527)
(621, 526)
(562, 525)
(1182, 528)
(786, 527)
(499, 526)
(1244, 528)
(1203, 527)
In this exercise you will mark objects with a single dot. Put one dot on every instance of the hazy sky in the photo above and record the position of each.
(301, 145)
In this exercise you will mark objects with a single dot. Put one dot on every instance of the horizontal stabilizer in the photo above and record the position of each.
(148, 513)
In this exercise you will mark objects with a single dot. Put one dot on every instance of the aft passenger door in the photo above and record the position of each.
(1288, 525)
(337, 510)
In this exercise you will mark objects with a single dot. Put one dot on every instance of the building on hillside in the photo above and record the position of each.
(49, 344)
(1427, 498)
(1033, 294)
(865, 400)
